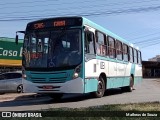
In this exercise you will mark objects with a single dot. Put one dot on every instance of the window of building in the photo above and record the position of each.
(111, 47)
(119, 50)
(125, 53)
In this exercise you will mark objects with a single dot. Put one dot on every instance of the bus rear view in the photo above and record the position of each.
(52, 57)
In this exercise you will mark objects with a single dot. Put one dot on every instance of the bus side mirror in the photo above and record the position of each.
(16, 40)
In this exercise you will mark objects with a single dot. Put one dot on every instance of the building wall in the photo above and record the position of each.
(157, 58)
(151, 69)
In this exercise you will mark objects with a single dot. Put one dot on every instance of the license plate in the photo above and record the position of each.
(47, 87)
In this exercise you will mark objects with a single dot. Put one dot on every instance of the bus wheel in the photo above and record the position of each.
(101, 88)
(130, 87)
(57, 96)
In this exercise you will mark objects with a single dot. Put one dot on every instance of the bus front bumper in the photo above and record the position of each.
(72, 86)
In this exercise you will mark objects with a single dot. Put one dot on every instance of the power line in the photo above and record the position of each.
(64, 3)
(133, 39)
(151, 45)
(39, 1)
(148, 40)
(68, 3)
(15, 3)
(93, 13)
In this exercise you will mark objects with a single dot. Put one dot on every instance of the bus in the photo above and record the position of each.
(75, 55)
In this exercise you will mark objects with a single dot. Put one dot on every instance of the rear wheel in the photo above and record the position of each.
(130, 88)
(101, 88)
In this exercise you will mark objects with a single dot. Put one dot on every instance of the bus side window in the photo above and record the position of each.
(101, 47)
(119, 50)
(89, 42)
(131, 54)
(40, 45)
(125, 53)
(111, 47)
(139, 57)
(135, 56)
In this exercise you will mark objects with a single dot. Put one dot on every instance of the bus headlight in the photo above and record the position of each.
(24, 76)
(77, 72)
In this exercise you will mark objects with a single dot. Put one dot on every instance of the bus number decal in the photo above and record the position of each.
(102, 65)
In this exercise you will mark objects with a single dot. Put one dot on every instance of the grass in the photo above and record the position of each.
(93, 112)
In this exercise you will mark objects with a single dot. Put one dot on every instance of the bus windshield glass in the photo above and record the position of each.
(55, 48)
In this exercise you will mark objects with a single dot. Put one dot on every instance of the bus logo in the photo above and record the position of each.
(6, 114)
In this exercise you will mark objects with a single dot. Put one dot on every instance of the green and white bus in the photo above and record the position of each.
(75, 55)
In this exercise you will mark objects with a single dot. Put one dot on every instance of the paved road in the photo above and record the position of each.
(147, 91)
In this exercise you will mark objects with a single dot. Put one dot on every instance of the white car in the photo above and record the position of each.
(11, 82)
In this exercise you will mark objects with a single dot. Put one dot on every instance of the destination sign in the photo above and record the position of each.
(55, 22)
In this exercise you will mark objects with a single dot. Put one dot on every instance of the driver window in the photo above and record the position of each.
(40, 45)
(89, 42)
(66, 44)
(33, 45)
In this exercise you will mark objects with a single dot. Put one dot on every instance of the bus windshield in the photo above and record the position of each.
(55, 48)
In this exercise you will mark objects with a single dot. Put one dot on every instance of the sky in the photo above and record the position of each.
(135, 21)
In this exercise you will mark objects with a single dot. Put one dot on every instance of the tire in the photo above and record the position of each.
(130, 87)
(20, 89)
(100, 90)
(56, 96)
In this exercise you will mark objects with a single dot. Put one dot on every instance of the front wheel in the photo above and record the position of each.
(20, 89)
(100, 90)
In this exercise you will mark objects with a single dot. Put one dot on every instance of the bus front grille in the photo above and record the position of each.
(54, 77)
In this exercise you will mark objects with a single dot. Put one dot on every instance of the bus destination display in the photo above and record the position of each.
(48, 23)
